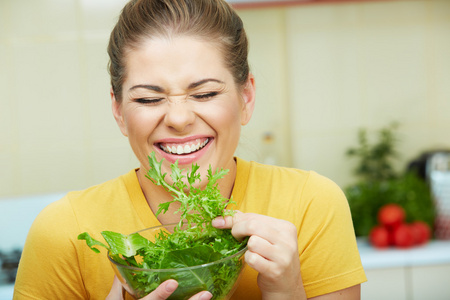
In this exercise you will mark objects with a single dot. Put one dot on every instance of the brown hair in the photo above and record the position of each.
(213, 20)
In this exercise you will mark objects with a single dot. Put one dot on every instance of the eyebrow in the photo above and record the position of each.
(161, 90)
(200, 82)
(148, 87)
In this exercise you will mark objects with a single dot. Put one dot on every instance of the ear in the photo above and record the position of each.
(248, 95)
(117, 112)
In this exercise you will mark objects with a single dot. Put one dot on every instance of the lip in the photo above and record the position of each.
(182, 140)
(184, 159)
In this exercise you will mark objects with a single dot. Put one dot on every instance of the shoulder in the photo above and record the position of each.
(308, 183)
(105, 192)
(68, 214)
(286, 193)
(249, 171)
(48, 250)
(52, 245)
(317, 206)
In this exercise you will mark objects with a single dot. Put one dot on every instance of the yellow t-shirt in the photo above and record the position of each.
(55, 265)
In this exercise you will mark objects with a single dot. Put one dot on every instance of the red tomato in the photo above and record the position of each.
(391, 215)
(421, 232)
(379, 237)
(402, 236)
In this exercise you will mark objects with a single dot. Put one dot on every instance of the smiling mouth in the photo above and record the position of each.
(184, 148)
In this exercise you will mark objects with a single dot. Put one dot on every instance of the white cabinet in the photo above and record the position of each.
(421, 273)
(408, 283)
(430, 282)
(384, 284)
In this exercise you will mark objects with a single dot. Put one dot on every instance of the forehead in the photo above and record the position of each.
(175, 59)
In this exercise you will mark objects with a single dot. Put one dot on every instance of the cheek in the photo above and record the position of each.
(139, 124)
(227, 115)
(232, 120)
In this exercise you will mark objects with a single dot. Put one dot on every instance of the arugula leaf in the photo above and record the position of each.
(91, 242)
(194, 240)
(197, 206)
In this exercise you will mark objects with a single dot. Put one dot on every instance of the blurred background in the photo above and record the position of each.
(324, 70)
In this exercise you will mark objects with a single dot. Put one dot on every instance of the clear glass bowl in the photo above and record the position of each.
(220, 277)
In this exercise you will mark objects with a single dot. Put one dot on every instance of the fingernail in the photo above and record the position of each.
(171, 286)
(251, 259)
(205, 296)
(219, 222)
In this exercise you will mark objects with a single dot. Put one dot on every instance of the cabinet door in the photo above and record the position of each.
(431, 282)
(387, 284)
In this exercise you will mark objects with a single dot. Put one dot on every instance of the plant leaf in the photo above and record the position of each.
(126, 245)
(91, 242)
(190, 257)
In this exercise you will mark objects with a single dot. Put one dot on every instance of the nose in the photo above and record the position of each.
(179, 116)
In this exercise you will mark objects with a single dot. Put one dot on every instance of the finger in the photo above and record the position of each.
(270, 260)
(279, 252)
(247, 224)
(253, 224)
(202, 296)
(275, 239)
(261, 246)
(163, 291)
(251, 258)
(273, 230)
(116, 290)
(263, 266)
(226, 222)
(238, 223)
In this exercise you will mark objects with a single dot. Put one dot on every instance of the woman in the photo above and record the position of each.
(181, 88)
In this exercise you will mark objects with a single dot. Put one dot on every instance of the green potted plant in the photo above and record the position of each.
(378, 183)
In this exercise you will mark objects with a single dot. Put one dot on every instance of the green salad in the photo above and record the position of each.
(192, 242)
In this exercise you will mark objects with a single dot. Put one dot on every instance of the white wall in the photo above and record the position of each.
(352, 65)
(322, 72)
(56, 124)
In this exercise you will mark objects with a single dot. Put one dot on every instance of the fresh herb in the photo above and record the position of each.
(196, 206)
(379, 182)
(193, 242)
(376, 161)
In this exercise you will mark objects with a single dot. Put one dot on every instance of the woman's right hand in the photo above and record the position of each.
(162, 292)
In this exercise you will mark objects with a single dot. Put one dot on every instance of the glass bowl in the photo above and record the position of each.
(220, 277)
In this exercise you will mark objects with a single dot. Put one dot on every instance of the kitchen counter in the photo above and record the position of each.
(6, 291)
(416, 273)
(436, 252)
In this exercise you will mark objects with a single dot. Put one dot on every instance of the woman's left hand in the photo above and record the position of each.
(272, 252)
(162, 292)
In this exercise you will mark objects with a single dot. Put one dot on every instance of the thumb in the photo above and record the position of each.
(163, 291)
(227, 221)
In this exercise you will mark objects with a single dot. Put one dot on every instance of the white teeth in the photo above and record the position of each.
(186, 149)
(180, 150)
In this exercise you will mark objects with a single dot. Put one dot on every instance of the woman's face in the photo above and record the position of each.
(180, 101)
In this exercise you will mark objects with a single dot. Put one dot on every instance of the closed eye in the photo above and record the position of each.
(205, 96)
(149, 100)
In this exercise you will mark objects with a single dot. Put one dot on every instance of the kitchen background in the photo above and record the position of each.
(323, 71)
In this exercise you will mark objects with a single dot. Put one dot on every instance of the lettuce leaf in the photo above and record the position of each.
(194, 240)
